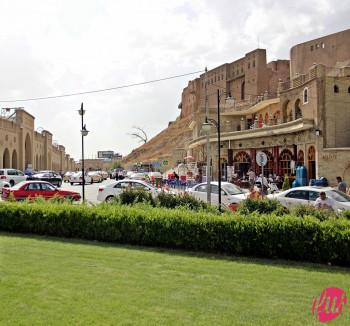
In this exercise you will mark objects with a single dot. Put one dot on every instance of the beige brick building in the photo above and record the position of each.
(22, 146)
(297, 111)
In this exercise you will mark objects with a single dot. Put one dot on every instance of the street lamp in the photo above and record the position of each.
(206, 128)
(84, 133)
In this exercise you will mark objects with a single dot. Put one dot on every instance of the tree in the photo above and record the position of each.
(285, 185)
(140, 134)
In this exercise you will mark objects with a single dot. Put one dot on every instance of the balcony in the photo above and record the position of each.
(280, 129)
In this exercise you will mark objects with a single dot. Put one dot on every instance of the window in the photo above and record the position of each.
(336, 89)
(313, 195)
(253, 63)
(33, 186)
(298, 194)
(285, 159)
(311, 47)
(137, 185)
(47, 187)
(202, 188)
(349, 90)
(305, 96)
(248, 65)
(322, 45)
(11, 172)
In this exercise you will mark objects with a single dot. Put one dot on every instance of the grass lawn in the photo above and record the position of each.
(50, 281)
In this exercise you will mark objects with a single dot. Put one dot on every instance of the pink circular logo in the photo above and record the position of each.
(329, 305)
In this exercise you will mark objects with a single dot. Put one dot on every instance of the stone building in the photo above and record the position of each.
(22, 146)
(297, 114)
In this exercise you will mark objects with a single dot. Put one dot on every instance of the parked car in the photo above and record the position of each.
(12, 176)
(78, 178)
(112, 190)
(95, 176)
(307, 196)
(67, 175)
(231, 195)
(49, 176)
(36, 188)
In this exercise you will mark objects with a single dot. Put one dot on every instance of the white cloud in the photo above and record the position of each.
(54, 47)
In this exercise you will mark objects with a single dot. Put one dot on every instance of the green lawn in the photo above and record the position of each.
(46, 281)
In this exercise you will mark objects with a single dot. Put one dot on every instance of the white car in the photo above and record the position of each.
(78, 178)
(230, 194)
(95, 176)
(12, 176)
(112, 190)
(308, 195)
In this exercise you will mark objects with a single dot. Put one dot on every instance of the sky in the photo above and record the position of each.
(53, 47)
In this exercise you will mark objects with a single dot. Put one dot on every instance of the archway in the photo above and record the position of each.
(242, 163)
(6, 159)
(28, 152)
(285, 158)
(14, 159)
(37, 167)
(311, 157)
(297, 109)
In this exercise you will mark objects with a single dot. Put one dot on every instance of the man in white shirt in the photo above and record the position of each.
(251, 177)
(324, 202)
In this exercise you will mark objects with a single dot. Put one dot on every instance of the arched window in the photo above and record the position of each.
(305, 95)
(298, 113)
(266, 120)
(336, 89)
(285, 159)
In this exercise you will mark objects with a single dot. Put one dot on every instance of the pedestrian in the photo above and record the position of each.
(251, 177)
(341, 185)
(264, 184)
(324, 202)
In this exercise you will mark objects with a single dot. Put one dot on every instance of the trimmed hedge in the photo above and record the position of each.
(271, 236)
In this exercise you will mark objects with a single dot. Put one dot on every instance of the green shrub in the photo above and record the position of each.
(345, 214)
(307, 210)
(286, 184)
(132, 196)
(261, 206)
(288, 237)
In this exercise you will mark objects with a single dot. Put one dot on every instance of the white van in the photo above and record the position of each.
(12, 176)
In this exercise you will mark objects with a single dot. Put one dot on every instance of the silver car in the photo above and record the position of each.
(308, 195)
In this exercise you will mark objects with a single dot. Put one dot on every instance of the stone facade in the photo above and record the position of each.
(21, 146)
(303, 118)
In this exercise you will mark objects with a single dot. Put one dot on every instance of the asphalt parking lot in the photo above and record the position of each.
(91, 190)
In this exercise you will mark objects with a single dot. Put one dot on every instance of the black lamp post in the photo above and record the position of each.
(84, 133)
(206, 127)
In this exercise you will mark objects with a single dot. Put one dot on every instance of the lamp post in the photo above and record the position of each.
(84, 133)
(206, 128)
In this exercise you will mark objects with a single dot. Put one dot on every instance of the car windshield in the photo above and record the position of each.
(338, 196)
(232, 189)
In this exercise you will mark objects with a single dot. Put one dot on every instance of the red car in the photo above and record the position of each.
(36, 188)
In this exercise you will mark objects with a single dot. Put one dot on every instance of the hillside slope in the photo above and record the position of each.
(163, 145)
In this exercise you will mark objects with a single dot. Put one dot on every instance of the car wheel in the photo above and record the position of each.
(109, 199)
(12, 183)
(59, 184)
(71, 183)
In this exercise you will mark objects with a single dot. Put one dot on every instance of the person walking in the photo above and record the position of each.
(341, 185)
(251, 177)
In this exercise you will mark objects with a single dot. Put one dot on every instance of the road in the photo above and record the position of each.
(91, 190)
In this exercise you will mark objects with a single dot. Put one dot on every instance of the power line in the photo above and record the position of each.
(100, 90)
